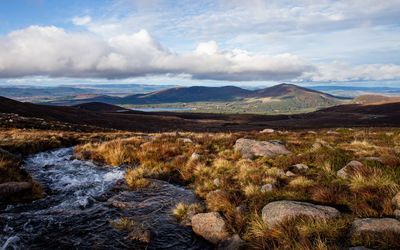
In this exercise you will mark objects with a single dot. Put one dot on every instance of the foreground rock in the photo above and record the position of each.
(233, 243)
(349, 169)
(211, 226)
(11, 188)
(278, 211)
(251, 148)
(377, 226)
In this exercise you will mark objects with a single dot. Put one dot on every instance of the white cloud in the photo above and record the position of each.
(54, 52)
(82, 21)
(343, 72)
(207, 48)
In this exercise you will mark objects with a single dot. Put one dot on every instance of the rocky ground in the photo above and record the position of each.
(323, 189)
(320, 189)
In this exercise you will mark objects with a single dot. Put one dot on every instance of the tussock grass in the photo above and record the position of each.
(232, 185)
(183, 212)
(298, 233)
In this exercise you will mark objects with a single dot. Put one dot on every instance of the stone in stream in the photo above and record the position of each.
(11, 188)
(278, 211)
(211, 226)
(152, 207)
(252, 148)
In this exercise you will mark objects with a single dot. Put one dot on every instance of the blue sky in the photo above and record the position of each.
(207, 42)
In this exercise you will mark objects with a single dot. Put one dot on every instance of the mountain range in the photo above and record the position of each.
(206, 94)
(282, 98)
(113, 117)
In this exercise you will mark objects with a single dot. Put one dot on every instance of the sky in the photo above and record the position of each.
(200, 42)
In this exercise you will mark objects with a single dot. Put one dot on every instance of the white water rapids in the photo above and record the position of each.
(76, 214)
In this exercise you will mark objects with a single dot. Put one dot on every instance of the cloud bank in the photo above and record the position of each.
(54, 52)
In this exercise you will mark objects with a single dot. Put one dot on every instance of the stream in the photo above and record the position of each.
(82, 199)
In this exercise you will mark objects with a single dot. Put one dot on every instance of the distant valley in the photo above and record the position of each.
(278, 99)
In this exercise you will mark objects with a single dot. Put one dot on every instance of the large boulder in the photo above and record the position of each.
(211, 226)
(251, 148)
(8, 189)
(378, 226)
(278, 211)
(347, 171)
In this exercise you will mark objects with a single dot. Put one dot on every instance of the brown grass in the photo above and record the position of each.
(232, 185)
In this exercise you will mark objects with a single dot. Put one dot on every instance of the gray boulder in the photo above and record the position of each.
(251, 148)
(211, 226)
(8, 189)
(347, 171)
(278, 211)
(375, 225)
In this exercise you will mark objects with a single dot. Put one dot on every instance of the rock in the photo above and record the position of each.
(300, 167)
(8, 189)
(217, 182)
(330, 132)
(267, 131)
(375, 159)
(211, 226)
(289, 174)
(359, 248)
(378, 226)
(278, 211)
(267, 188)
(397, 214)
(316, 146)
(349, 169)
(185, 140)
(241, 209)
(251, 148)
(232, 243)
(396, 200)
(195, 157)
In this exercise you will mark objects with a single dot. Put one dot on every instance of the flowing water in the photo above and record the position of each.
(81, 201)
